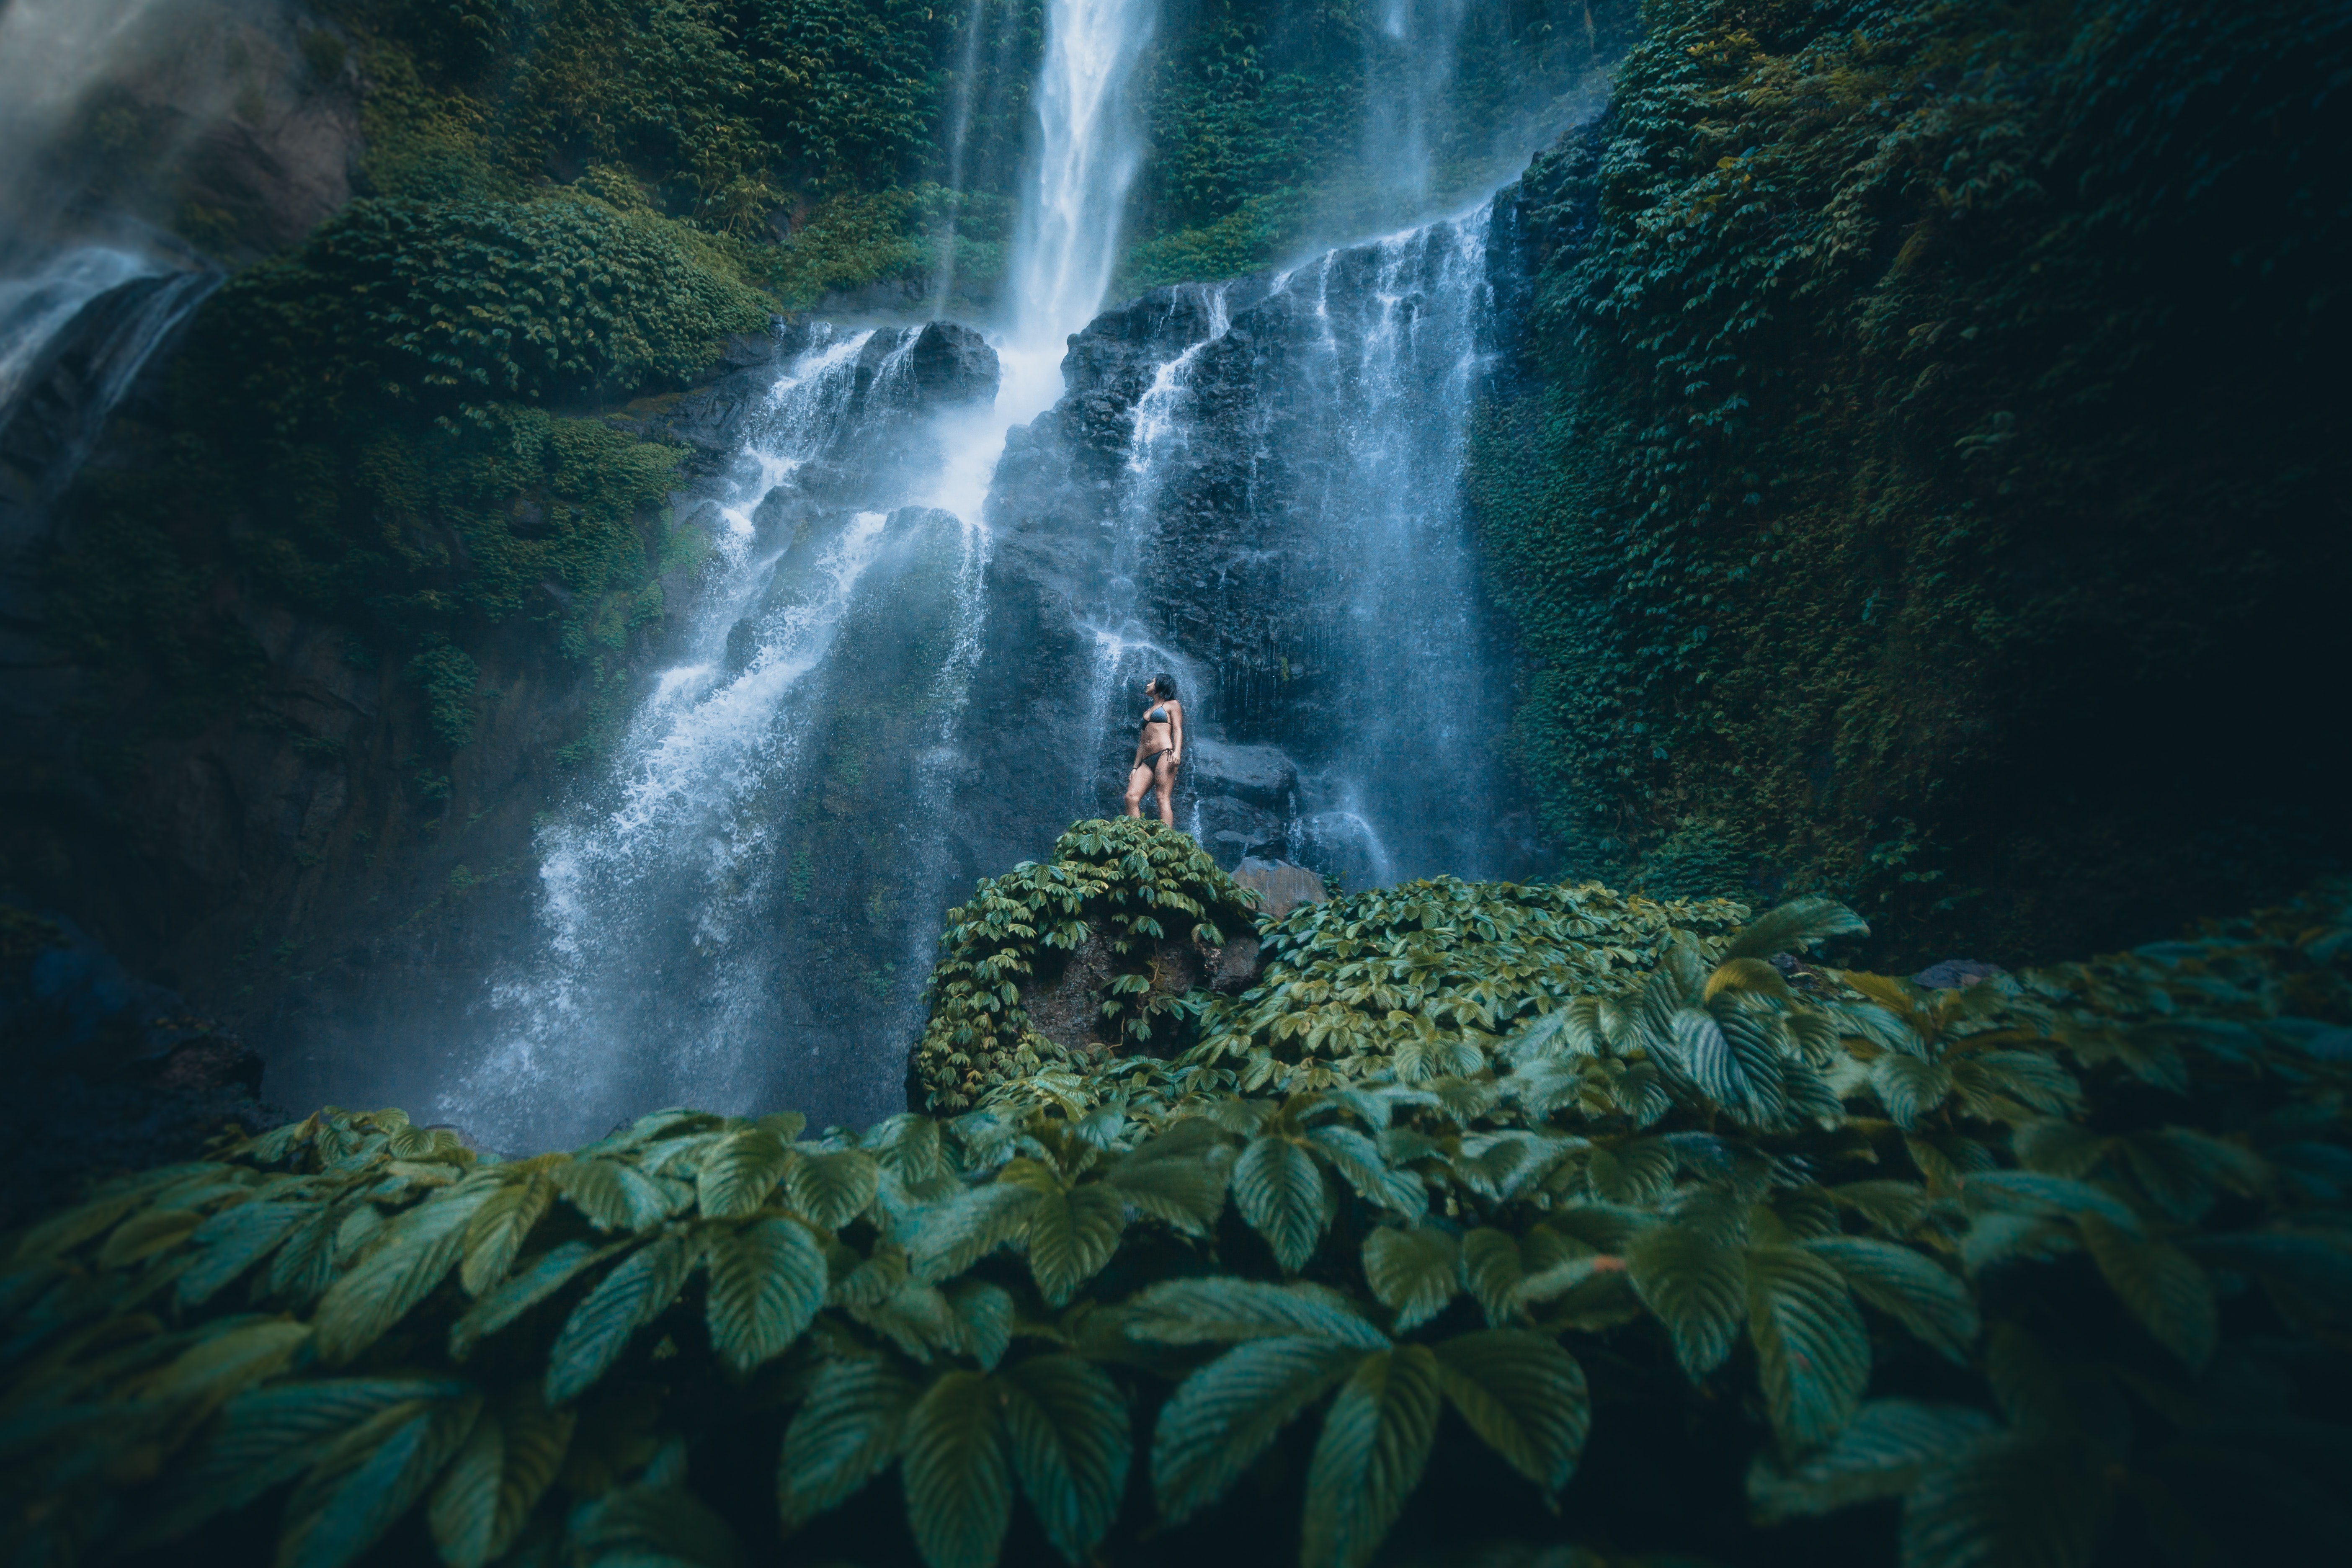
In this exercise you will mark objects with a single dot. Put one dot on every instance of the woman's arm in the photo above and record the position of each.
(1176, 746)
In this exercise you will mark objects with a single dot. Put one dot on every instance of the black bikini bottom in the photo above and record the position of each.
(1152, 762)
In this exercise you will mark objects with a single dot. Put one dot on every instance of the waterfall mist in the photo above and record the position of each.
(741, 908)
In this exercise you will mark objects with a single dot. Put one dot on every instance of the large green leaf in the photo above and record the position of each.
(844, 1434)
(547, 1274)
(2008, 1502)
(415, 1252)
(1524, 1396)
(495, 1237)
(1795, 926)
(1224, 1309)
(1178, 1177)
(235, 1240)
(1492, 1268)
(959, 1486)
(767, 1281)
(616, 1196)
(2162, 1286)
(486, 1495)
(463, 1515)
(960, 1233)
(2032, 1193)
(1909, 1088)
(1639, 1171)
(265, 1437)
(1699, 1048)
(833, 1188)
(1812, 1352)
(378, 1490)
(987, 1315)
(304, 1263)
(738, 1171)
(1695, 1280)
(1373, 1447)
(1279, 1188)
(1920, 1293)
(220, 1364)
(636, 1292)
(1071, 1444)
(1883, 1452)
(1357, 1159)
(1072, 1234)
(658, 1523)
(1416, 1272)
(1222, 1415)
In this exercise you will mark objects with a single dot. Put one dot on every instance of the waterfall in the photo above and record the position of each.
(1258, 487)
(1066, 242)
(86, 293)
(741, 908)
(1424, 33)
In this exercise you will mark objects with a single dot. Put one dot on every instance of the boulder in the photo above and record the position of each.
(951, 363)
(1264, 776)
(1067, 1007)
(1233, 829)
(1282, 885)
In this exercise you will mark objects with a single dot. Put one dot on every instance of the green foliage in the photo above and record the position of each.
(455, 302)
(448, 676)
(1424, 979)
(2064, 1310)
(404, 531)
(1883, 519)
(1274, 126)
(1109, 882)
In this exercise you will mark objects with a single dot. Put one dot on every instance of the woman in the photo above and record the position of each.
(1158, 750)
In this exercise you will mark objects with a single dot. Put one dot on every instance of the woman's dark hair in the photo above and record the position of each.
(1167, 685)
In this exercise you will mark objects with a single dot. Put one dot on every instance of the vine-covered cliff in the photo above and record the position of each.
(1929, 481)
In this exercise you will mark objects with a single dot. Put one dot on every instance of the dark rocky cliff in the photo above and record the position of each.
(1255, 486)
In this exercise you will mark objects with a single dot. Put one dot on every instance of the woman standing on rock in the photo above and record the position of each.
(1158, 749)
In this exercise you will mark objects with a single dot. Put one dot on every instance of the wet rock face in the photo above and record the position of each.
(104, 1073)
(902, 375)
(1065, 1005)
(1257, 488)
(1282, 885)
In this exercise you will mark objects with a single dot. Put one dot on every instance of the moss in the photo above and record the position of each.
(448, 676)
(1933, 408)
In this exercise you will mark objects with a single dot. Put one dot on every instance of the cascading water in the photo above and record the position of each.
(1424, 35)
(741, 912)
(1259, 488)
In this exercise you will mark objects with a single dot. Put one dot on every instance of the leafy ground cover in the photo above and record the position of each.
(1701, 1255)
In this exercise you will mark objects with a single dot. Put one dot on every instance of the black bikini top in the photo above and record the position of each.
(1157, 716)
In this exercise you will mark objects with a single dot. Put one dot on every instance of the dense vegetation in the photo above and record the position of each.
(1125, 885)
(1942, 410)
(1712, 1252)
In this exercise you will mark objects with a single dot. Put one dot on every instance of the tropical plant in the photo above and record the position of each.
(1132, 885)
(1685, 1230)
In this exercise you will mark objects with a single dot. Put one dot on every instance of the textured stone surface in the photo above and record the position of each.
(1282, 885)
(106, 1072)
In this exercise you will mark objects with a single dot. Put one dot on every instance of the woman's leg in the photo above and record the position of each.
(1139, 779)
(1164, 777)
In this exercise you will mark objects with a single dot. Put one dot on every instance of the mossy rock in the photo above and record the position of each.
(1071, 959)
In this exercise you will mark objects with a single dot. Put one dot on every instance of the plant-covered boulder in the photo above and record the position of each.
(1099, 951)
(2055, 1272)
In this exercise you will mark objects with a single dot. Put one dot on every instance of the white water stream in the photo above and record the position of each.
(650, 978)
